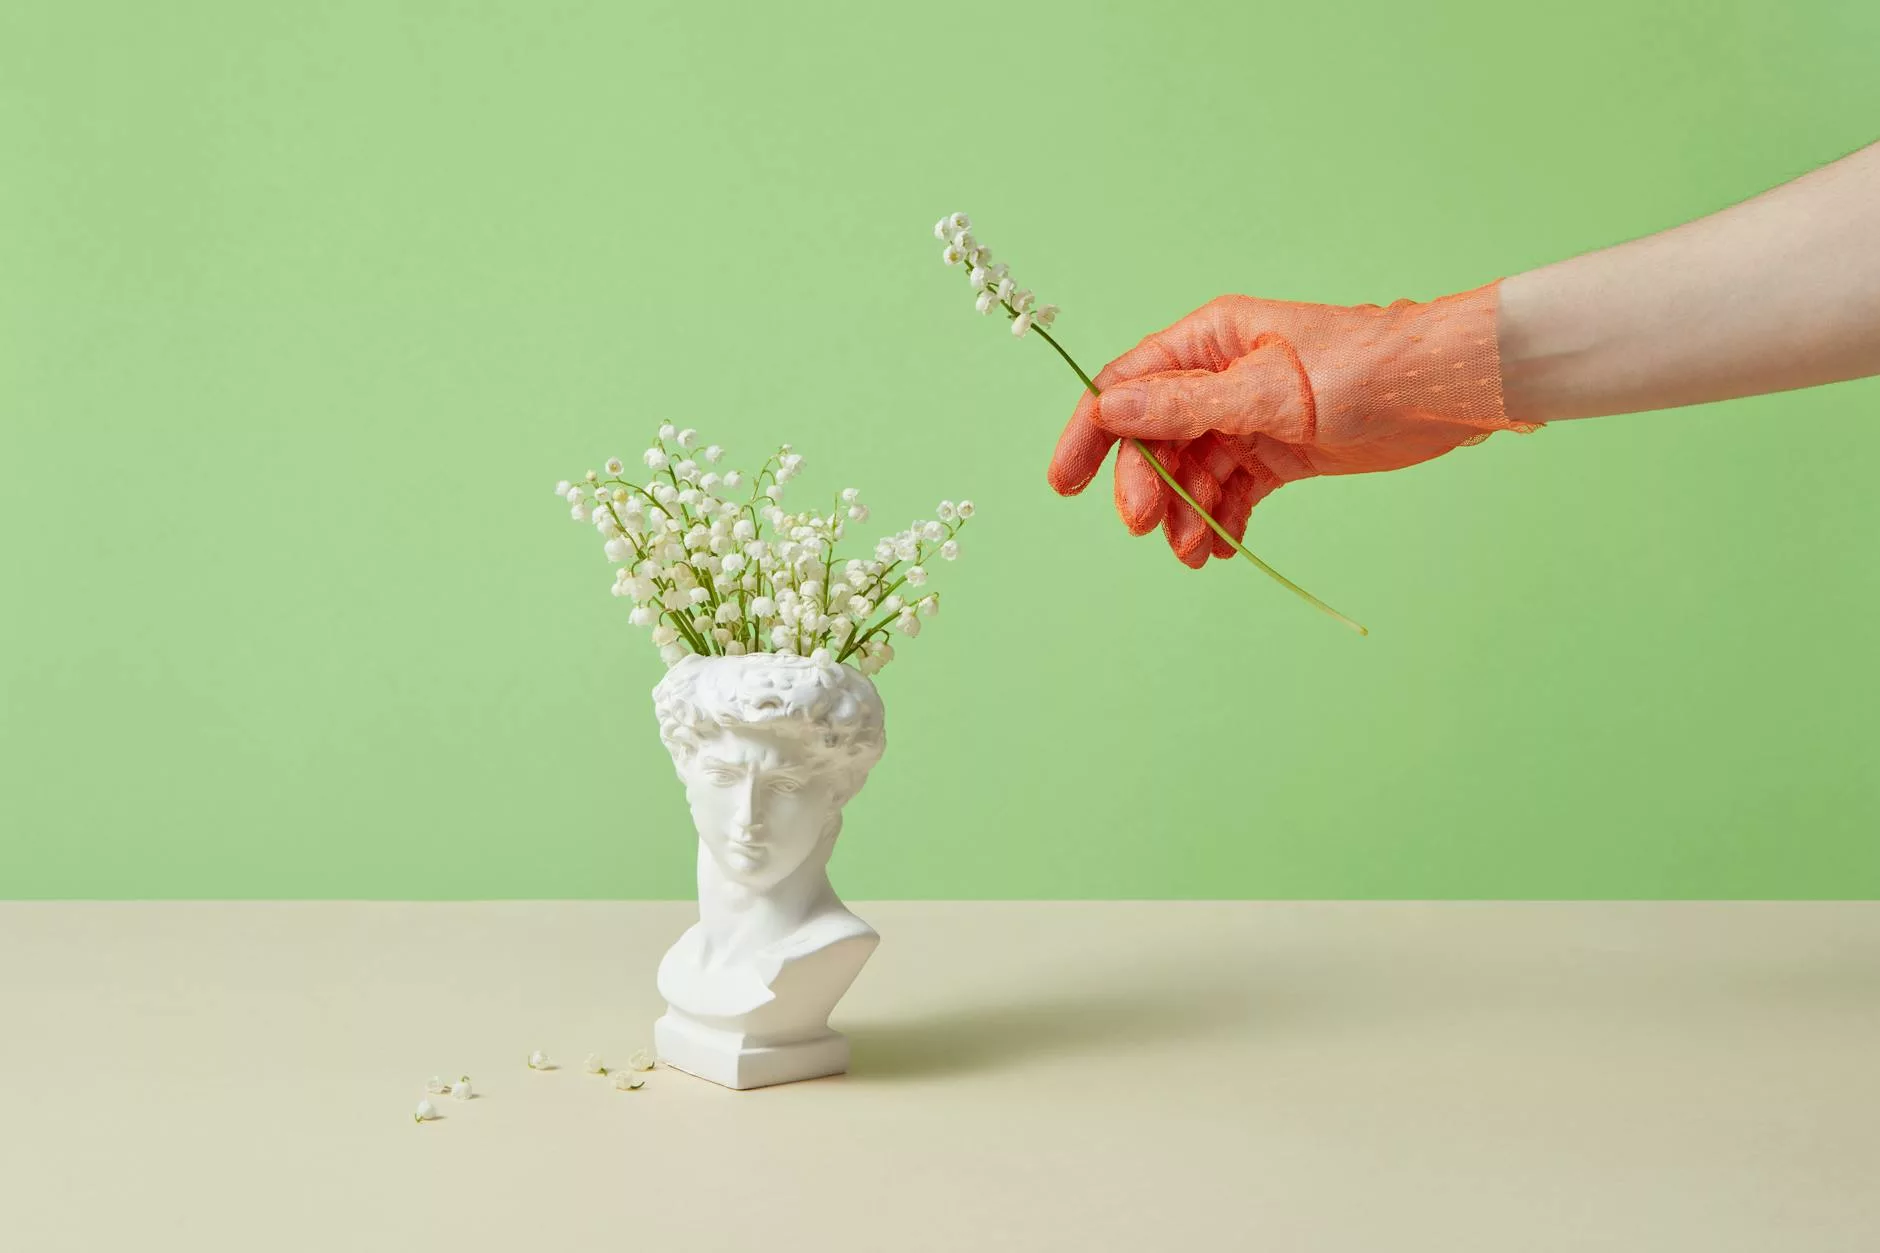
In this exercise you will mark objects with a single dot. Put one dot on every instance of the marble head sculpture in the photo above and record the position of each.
(770, 748)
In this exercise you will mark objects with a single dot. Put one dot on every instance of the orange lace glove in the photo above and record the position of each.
(1243, 395)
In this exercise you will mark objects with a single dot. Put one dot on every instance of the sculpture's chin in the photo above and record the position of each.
(743, 865)
(749, 874)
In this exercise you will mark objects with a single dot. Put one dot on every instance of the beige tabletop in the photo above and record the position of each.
(1128, 1076)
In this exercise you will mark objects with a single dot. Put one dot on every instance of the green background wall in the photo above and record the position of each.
(303, 309)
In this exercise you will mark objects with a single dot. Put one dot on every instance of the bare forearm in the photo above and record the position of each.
(1778, 292)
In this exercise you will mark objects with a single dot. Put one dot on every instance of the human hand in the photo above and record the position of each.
(1244, 395)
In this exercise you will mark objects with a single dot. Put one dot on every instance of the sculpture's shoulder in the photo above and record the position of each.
(831, 935)
(683, 956)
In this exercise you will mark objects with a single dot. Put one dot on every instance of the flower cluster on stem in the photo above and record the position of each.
(714, 565)
(992, 282)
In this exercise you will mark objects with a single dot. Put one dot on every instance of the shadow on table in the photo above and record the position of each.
(1113, 1006)
(1131, 1007)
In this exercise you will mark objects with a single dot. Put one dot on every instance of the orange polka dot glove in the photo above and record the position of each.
(1244, 395)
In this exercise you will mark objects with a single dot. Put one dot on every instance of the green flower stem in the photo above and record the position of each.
(1241, 548)
(879, 626)
(862, 636)
(1077, 369)
(678, 619)
(685, 515)
(1206, 517)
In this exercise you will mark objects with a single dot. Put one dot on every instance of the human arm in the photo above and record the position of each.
(1245, 395)
(1779, 292)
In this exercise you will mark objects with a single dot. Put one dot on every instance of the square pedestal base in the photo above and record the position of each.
(719, 1059)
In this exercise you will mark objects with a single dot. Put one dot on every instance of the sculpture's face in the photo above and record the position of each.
(759, 807)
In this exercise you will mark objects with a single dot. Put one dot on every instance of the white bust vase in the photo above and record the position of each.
(770, 749)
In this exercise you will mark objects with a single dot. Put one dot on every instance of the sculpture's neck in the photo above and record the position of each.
(737, 922)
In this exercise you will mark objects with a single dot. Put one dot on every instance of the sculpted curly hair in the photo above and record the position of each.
(832, 711)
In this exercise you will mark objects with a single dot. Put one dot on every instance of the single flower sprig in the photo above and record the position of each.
(996, 289)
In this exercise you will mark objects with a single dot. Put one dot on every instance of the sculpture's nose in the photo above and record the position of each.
(745, 826)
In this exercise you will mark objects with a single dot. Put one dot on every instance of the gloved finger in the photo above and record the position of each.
(1083, 444)
(1141, 495)
(1242, 491)
(1208, 339)
(1283, 461)
(1153, 354)
(1214, 453)
(1265, 392)
(1217, 454)
(1189, 537)
(1211, 338)
(1080, 451)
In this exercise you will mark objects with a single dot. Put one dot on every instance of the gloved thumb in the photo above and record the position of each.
(1264, 392)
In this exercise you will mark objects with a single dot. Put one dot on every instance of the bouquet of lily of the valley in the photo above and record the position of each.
(714, 565)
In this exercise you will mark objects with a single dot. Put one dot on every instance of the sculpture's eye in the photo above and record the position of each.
(721, 777)
(784, 785)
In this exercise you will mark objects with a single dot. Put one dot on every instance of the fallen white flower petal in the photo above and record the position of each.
(593, 1064)
(625, 1081)
(641, 1060)
(425, 1112)
(538, 1060)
